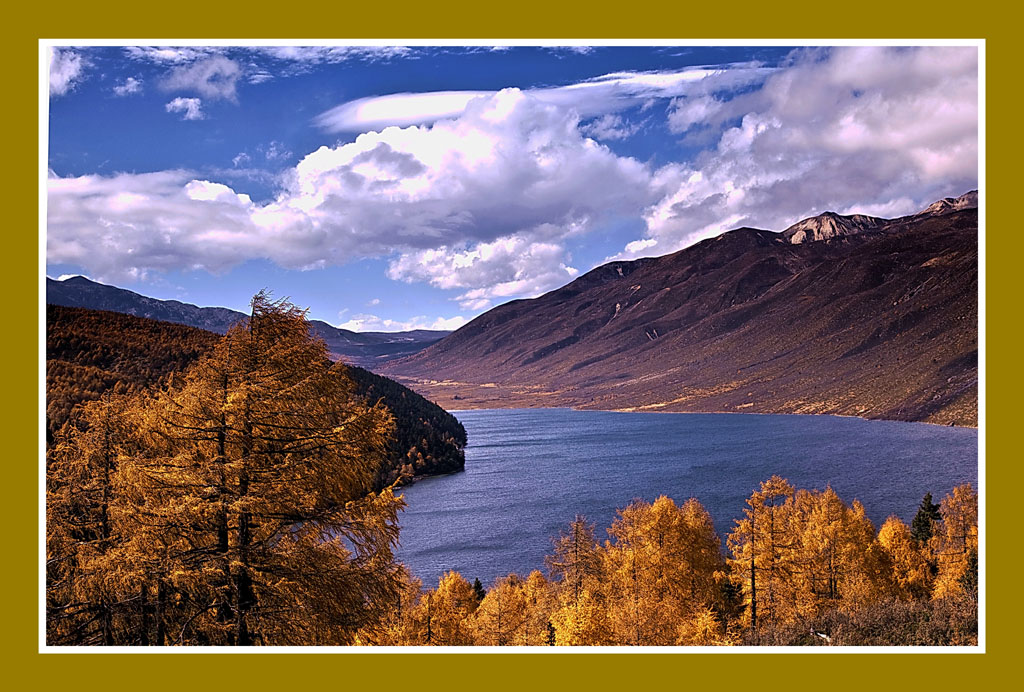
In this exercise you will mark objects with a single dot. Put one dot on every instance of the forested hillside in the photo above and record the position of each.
(428, 440)
(355, 348)
(90, 352)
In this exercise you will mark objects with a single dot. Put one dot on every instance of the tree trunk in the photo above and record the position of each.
(161, 600)
(144, 629)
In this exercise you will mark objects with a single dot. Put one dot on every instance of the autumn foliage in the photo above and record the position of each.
(240, 504)
(802, 568)
(235, 506)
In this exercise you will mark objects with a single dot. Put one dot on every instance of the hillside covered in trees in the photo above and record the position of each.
(90, 352)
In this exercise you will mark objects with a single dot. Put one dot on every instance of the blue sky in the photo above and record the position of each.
(390, 187)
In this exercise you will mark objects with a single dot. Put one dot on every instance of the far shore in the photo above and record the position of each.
(685, 413)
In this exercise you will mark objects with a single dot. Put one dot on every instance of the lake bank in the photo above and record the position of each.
(456, 395)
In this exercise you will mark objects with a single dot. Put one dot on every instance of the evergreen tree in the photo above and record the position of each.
(927, 514)
(479, 590)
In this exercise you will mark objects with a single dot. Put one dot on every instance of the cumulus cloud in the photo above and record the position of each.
(487, 202)
(510, 266)
(190, 109)
(131, 86)
(66, 70)
(214, 77)
(505, 184)
(594, 97)
(129, 225)
(891, 129)
(373, 323)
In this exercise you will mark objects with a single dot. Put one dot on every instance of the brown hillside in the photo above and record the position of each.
(881, 324)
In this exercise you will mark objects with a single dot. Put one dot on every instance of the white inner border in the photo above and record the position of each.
(44, 104)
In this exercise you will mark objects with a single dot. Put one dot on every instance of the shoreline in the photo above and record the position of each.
(685, 413)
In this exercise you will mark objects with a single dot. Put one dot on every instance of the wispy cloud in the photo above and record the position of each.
(275, 151)
(214, 78)
(373, 323)
(316, 55)
(595, 97)
(171, 55)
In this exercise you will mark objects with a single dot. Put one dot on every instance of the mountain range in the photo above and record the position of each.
(839, 314)
(851, 315)
(365, 349)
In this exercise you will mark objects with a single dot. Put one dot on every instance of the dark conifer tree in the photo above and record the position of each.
(927, 513)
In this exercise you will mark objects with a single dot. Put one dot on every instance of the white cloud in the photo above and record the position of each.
(684, 113)
(66, 68)
(378, 112)
(275, 151)
(373, 323)
(240, 159)
(258, 76)
(131, 86)
(577, 50)
(509, 266)
(485, 204)
(610, 126)
(170, 55)
(889, 129)
(214, 77)
(375, 301)
(129, 225)
(334, 54)
(594, 97)
(191, 109)
(505, 183)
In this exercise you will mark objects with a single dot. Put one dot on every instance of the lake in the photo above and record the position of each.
(530, 471)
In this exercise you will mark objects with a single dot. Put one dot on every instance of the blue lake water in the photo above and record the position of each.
(530, 471)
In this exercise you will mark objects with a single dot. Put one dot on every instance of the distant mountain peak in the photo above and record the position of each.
(968, 200)
(831, 225)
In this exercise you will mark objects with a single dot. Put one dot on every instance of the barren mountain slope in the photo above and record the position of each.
(881, 324)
